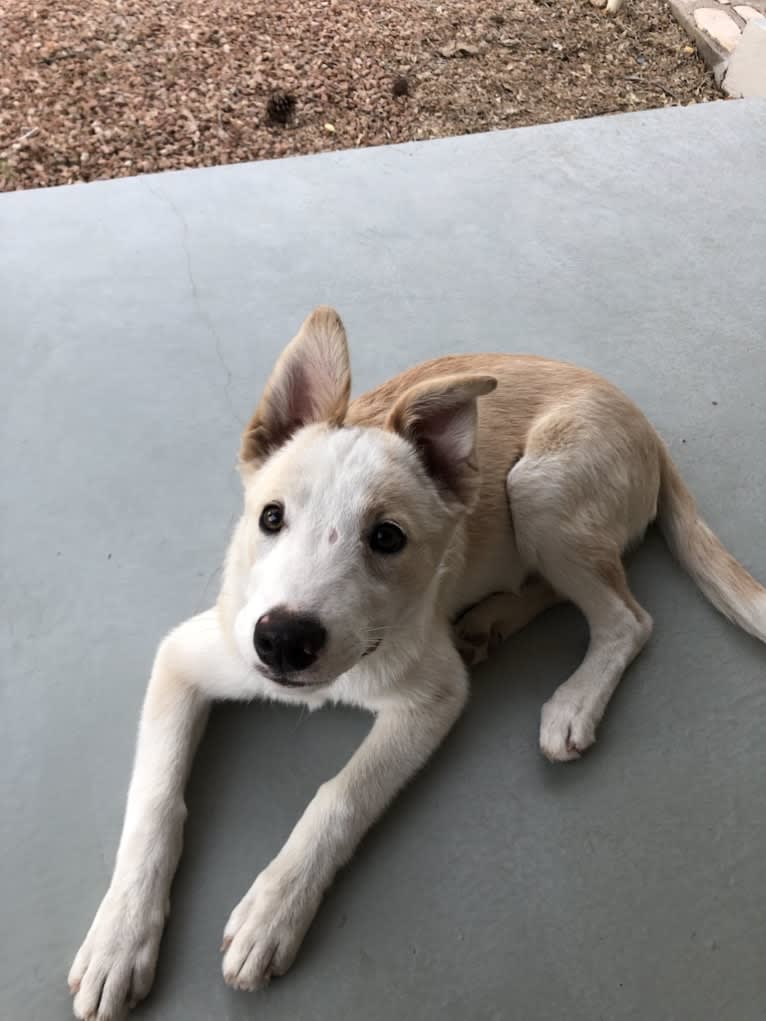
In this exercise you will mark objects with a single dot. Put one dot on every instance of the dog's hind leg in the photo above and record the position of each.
(584, 490)
(484, 626)
(619, 629)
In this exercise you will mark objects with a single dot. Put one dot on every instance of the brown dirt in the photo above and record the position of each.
(105, 88)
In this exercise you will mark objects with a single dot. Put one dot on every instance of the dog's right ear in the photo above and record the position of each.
(439, 417)
(310, 383)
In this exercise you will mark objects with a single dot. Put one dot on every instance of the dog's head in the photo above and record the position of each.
(346, 527)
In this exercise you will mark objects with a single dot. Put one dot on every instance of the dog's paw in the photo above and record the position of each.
(114, 968)
(265, 930)
(567, 729)
(473, 647)
(476, 635)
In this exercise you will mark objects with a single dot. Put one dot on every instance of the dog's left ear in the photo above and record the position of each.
(439, 417)
(311, 382)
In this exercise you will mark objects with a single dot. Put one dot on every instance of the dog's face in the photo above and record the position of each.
(345, 535)
(346, 527)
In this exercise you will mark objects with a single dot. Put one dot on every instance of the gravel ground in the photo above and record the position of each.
(104, 88)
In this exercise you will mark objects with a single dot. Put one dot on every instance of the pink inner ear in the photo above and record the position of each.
(446, 442)
(451, 429)
(289, 408)
(308, 390)
(298, 407)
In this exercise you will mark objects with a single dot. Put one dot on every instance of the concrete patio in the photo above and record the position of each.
(139, 321)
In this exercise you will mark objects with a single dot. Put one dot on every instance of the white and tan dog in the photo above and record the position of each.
(368, 529)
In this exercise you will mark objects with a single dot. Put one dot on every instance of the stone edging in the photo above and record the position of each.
(731, 38)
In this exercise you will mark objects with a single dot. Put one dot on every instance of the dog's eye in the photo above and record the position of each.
(272, 517)
(387, 538)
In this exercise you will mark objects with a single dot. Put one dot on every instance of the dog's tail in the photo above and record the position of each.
(723, 580)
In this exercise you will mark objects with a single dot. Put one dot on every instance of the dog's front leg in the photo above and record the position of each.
(115, 965)
(267, 927)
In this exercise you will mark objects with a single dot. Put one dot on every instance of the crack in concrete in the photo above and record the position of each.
(217, 572)
(211, 327)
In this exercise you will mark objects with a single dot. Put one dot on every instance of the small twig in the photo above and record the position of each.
(64, 54)
(667, 92)
(17, 141)
(651, 85)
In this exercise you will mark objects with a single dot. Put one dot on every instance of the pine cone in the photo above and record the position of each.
(280, 107)
(401, 86)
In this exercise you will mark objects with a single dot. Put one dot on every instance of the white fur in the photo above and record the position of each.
(319, 562)
(416, 684)
(416, 700)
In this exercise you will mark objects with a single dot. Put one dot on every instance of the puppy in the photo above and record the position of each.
(471, 489)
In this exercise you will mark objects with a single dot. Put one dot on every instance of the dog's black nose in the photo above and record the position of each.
(288, 641)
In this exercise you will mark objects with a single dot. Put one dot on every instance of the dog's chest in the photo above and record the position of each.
(491, 564)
